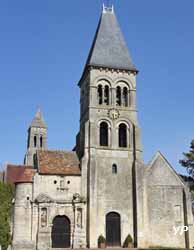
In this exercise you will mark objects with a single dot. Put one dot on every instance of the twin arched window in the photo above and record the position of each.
(103, 95)
(122, 96)
(35, 141)
(122, 135)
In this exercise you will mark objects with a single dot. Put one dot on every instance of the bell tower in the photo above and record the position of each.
(109, 134)
(37, 135)
(108, 90)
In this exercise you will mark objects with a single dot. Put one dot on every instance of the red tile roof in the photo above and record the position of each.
(19, 173)
(58, 162)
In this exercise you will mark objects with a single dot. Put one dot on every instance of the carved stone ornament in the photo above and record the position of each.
(78, 198)
(113, 114)
(43, 198)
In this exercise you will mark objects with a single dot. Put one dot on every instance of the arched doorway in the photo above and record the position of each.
(61, 232)
(113, 229)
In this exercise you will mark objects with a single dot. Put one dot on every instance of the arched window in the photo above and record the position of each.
(35, 141)
(125, 97)
(103, 134)
(100, 94)
(114, 169)
(106, 95)
(118, 96)
(122, 135)
(41, 141)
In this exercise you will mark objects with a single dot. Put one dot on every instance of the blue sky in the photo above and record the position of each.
(43, 48)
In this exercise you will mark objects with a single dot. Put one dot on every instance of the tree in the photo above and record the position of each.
(188, 161)
(6, 196)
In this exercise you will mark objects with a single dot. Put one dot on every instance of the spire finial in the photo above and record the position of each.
(38, 113)
(38, 120)
(108, 8)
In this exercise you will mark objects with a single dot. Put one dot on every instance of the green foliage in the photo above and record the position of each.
(188, 161)
(6, 196)
(128, 240)
(101, 239)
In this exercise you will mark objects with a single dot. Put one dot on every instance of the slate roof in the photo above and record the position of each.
(58, 162)
(38, 121)
(19, 174)
(109, 47)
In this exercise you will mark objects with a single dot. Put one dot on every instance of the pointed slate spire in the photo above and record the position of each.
(38, 120)
(109, 48)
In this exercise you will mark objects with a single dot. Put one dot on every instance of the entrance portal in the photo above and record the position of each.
(61, 232)
(113, 229)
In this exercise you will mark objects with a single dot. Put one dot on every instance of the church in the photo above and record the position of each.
(68, 199)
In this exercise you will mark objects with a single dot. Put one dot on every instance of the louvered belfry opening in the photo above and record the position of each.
(61, 232)
(113, 230)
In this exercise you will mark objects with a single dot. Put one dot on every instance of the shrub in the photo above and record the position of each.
(6, 195)
(101, 239)
(128, 240)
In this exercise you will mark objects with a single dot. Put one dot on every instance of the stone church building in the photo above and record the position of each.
(67, 199)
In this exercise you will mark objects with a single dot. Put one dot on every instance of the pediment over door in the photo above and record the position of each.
(43, 198)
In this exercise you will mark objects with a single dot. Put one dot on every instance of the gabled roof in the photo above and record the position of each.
(109, 47)
(38, 121)
(19, 174)
(58, 162)
(160, 156)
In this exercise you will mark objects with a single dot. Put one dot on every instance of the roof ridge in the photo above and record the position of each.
(19, 166)
(56, 150)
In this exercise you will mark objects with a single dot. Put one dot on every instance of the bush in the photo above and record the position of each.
(128, 240)
(101, 239)
(6, 195)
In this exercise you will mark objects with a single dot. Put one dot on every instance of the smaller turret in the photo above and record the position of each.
(37, 134)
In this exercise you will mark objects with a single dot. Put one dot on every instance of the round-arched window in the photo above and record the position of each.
(114, 169)
(103, 134)
(122, 135)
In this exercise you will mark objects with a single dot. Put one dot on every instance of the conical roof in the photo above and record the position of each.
(38, 121)
(109, 47)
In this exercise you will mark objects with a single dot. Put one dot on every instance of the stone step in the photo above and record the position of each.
(107, 248)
